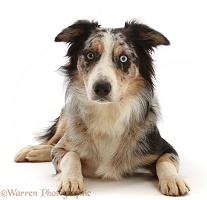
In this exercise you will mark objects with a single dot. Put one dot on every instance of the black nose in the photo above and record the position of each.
(102, 88)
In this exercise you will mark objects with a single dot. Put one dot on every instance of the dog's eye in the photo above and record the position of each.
(90, 56)
(123, 58)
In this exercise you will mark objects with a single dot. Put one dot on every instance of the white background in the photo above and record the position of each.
(32, 92)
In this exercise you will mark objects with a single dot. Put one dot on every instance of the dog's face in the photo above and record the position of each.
(107, 65)
(111, 64)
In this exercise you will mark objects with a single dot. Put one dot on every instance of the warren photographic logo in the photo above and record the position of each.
(41, 193)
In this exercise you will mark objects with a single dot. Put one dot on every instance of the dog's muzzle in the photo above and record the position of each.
(102, 90)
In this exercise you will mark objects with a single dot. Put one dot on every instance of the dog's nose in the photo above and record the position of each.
(102, 88)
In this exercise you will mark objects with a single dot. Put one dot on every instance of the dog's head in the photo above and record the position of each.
(110, 64)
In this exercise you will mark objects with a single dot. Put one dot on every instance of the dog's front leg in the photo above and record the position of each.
(71, 181)
(170, 183)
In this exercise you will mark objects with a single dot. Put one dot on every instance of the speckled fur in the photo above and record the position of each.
(113, 134)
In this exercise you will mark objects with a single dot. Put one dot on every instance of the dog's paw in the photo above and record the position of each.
(173, 186)
(38, 153)
(22, 154)
(71, 186)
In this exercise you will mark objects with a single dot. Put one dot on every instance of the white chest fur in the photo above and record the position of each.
(107, 119)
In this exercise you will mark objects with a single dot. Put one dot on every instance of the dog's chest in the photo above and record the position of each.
(106, 126)
(107, 149)
(108, 120)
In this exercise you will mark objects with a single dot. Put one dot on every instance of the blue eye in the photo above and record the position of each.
(123, 58)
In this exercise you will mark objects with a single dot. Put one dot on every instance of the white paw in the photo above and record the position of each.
(38, 153)
(71, 186)
(22, 154)
(173, 186)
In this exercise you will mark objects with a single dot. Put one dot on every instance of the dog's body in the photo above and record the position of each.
(107, 127)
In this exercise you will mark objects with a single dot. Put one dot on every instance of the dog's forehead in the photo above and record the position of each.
(106, 36)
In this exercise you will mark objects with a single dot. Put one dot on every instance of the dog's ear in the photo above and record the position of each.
(145, 35)
(76, 31)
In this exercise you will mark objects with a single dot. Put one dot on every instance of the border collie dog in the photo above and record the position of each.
(108, 125)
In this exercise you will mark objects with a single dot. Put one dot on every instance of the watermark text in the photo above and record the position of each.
(41, 193)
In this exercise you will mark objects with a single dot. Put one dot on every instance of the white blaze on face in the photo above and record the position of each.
(103, 70)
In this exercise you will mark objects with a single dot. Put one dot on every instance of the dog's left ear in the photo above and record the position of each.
(80, 29)
(145, 35)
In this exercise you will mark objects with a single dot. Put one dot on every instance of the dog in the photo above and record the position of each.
(108, 125)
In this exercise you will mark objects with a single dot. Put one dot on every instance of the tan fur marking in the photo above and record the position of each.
(166, 158)
(132, 86)
(98, 46)
(118, 50)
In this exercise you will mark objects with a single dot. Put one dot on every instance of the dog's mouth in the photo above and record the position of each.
(102, 101)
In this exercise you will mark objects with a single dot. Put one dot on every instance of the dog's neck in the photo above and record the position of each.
(107, 118)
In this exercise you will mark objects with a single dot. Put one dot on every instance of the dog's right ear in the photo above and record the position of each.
(81, 28)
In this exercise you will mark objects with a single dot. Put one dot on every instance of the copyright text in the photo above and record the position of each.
(40, 193)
